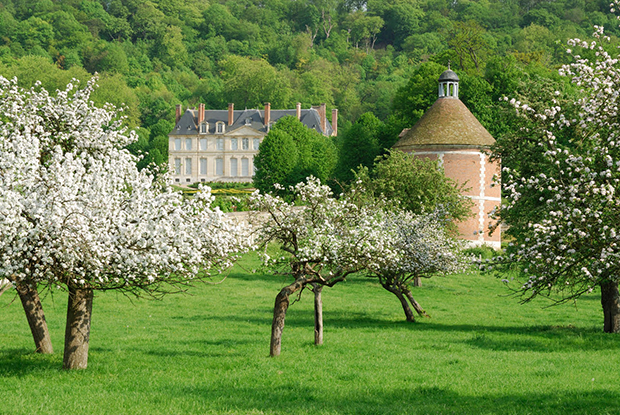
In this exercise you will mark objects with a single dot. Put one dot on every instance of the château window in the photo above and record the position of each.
(203, 143)
(219, 167)
(248, 121)
(204, 128)
(188, 166)
(219, 143)
(245, 171)
(220, 127)
(203, 167)
(177, 144)
(255, 143)
(188, 144)
(233, 167)
(177, 166)
(245, 142)
(234, 144)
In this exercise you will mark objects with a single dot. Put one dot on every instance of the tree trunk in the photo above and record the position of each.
(318, 314)
(36, 318)
(414, 303)
(610, 299)
(279, 314)
(77, 332)
(417, 281)
(403, 301)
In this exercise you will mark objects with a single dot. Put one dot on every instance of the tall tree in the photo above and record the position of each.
(359, 146)
(412, 100)
(291, 152)
(563, 208)
(468, 41)
(275, 161)
(248, 83)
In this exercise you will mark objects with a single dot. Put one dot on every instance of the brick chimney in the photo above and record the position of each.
(178, 113)
(201, 113)
(231, 113)
(323, 115)
(267, 114)
(298, 110)
(334, 122)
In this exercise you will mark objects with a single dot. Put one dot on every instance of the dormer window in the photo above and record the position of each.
(204, 128)
(248, 121)
(220, 128)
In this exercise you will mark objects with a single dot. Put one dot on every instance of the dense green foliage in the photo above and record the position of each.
(415, 184)
(291, 152)
(352, 55)
(207, 353)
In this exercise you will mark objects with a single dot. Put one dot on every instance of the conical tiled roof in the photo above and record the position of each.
(446, 122)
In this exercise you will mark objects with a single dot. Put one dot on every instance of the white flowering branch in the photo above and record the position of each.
(572, 244)
(77, 214)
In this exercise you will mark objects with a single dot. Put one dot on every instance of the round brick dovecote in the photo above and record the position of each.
(449, 133)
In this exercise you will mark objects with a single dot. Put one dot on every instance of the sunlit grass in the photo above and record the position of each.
(207, 353)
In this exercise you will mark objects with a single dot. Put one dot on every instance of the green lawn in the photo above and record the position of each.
(207, 353)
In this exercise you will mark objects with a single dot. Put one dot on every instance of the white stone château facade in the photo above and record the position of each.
(220, 145)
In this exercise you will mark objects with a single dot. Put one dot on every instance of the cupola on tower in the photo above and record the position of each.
(449, 133)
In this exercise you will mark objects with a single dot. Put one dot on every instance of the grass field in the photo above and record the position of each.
(207, 353)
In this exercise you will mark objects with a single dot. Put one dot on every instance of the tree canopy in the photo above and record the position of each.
(291, 152)
(353, 56)
(562, 205)
(78, 215)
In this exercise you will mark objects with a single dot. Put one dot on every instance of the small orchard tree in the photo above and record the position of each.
(563, 207)
(322, 240)
(76, 213)
(411, 246)
(402, 181)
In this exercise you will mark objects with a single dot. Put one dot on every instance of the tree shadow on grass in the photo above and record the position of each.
(540, 338)
(352, 399)
(261, 277)
(22, 362)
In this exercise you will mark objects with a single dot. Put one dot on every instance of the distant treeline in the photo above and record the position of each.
(355, 55)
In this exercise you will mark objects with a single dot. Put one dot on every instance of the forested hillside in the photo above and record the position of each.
(355, 55)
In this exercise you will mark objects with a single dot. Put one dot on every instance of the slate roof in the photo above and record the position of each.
(446, 122)
(448, 75)
(188, 123)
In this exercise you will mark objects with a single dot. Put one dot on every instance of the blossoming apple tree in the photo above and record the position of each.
(315, 239)
(324, 239)
(76, 213)
(563, 197)
(410, 246)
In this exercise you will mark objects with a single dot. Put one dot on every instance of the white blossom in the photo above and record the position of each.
(74, 209)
